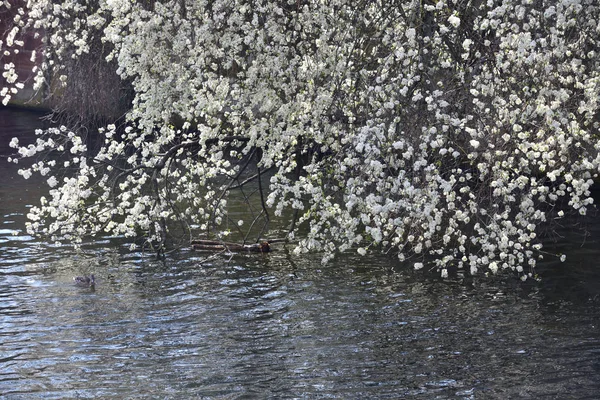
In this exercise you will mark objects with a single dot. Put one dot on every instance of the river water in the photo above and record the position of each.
(280, 326)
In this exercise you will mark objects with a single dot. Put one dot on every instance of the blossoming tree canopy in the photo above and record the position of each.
(446, 131)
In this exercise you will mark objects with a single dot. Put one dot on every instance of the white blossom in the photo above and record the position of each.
(454, 140)
(454, 21)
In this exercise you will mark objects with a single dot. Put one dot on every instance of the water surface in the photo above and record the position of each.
(279, 326)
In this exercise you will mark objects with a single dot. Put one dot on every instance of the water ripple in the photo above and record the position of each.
(278, 326)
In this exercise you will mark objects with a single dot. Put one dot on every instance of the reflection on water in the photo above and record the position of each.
(278, 326)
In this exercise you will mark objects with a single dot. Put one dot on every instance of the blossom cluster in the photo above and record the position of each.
(448, 132)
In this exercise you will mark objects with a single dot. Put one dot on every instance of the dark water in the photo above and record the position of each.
(279, 326)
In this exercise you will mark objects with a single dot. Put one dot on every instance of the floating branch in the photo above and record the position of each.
(217, 245)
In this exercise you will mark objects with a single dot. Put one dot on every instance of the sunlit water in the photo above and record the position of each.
(279, 326)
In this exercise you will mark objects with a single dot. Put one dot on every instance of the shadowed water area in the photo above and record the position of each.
(280, 326)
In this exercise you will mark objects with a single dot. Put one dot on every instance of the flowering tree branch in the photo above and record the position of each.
(450, 132)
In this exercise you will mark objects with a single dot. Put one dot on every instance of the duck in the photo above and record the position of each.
(85, 281)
